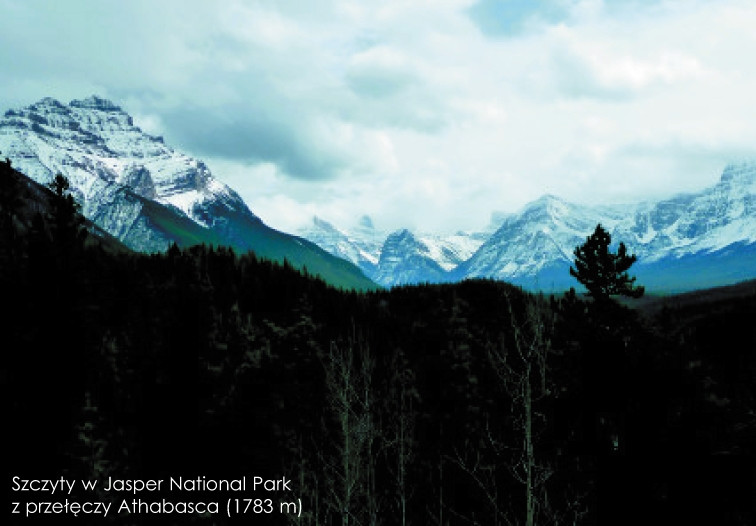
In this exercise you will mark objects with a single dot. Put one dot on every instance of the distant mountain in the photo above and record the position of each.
(395, 258)
(405, 260)
(704, 222)
(537, 242)
(362, 246)
(704, 239)
(145, 193)
(687, 242)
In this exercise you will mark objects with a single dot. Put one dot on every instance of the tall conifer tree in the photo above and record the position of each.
(602, 272)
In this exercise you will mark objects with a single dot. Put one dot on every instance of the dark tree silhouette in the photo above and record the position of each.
(604, 273)
(67, 223)
(10, 204)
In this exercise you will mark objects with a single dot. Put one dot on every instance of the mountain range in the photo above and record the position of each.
(149, 195)
(396, 258)
(145, 193)
(685, 242)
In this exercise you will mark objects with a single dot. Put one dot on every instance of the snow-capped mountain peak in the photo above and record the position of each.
(142, 191)
(362, 247)
(383, 255)
(95, 137)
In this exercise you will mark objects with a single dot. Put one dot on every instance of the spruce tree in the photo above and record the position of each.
(10, 207)
(602, 272)
(67, 223)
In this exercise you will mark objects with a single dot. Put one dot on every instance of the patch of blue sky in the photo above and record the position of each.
(511, 17)
(502, 18)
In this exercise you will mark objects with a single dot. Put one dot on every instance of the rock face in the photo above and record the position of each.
(144, 192)
(405, 260)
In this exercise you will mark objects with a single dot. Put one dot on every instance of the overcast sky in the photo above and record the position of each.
(429, 114)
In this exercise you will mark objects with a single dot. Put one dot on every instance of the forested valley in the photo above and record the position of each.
(471, 403)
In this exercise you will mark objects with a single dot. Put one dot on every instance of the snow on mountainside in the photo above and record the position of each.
(143, 192)
(543, 234)
(535, 247)
(397, 258)
(362, 247)
(406, 260)
(694, 223)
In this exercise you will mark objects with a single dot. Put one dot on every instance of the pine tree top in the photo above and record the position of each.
(603, 272)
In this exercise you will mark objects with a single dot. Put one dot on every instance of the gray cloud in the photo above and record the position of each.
(253, 135)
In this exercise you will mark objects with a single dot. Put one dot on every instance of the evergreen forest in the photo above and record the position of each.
(458, 404)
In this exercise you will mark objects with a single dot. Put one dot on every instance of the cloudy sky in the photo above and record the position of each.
(422, 113)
